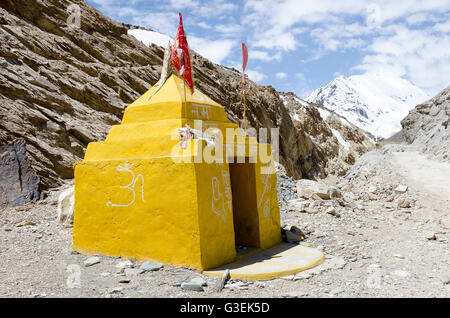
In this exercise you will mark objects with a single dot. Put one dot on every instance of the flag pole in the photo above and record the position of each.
(245, 120)
(244, 81)
(185, 101)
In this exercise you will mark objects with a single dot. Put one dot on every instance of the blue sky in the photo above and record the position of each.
(301, 45)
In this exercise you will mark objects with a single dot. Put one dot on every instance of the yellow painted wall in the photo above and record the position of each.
(164, 228)
(215, 215)
(268, 209)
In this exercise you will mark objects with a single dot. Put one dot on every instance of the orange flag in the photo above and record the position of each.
(180, 58)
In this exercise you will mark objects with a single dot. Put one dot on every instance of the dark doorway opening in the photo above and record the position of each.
(245, 210)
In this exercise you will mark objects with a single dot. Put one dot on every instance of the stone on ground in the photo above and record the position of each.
(199, 280)
(133, 271)
(124, 264)
(91, 261)
(308, 188)
(401, 188)
(151, 266)
(194, 286)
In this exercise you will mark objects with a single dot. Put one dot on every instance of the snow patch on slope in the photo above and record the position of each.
(341, 140)
(150, 37)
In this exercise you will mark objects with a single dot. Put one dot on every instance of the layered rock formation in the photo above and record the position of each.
(19, 183)
(63, 86)
(332, 141)
(427, 126)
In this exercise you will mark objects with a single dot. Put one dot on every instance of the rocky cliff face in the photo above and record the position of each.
(63, 86)
(19, 183)
(427, 126)
(331, 140)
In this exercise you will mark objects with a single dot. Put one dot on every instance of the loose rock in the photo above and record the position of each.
(194, 286)
(401, 188)
(91, 261)
(151, 266)
(308, 188)
(336, 291)
(133, 271)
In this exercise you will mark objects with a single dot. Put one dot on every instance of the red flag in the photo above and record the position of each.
(244, 65)
(180, 57)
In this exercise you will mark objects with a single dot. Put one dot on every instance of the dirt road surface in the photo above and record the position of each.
(383, 244)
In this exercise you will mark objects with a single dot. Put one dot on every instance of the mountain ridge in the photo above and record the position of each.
(375, 101)
(62, 87)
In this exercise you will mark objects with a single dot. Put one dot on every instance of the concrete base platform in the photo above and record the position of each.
(281, 260)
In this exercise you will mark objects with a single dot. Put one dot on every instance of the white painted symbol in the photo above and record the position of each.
(217, 199)
(267, 188)
(127, 168)
(266, 209)
(201, 111)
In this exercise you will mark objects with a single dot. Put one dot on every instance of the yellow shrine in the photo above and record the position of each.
(143, 194)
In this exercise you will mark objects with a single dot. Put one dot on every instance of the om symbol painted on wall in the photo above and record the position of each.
(131, 186)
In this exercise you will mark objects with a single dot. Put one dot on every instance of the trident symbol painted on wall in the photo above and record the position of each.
(217, 199)
(127, 168)
(267, 188)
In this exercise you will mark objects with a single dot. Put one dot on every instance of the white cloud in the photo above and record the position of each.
(300, 76)
(410, 37)
(204, 25)
(213, 8)
(281, 75)
(163, 22)
(228, 29)
(442, 27)
(183, 4)
(271, 40)
(215, 50)
(255, 75)
(263, 55)
(425, 60)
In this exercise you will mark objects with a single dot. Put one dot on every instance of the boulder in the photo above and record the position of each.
(308, 188)
(334, 193)
(19, 183)
(299, 205)
(66, 205)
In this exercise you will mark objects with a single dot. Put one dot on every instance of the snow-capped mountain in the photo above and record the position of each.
(375, 101)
